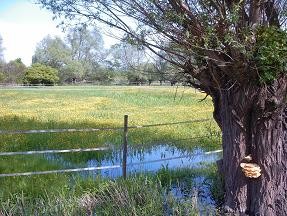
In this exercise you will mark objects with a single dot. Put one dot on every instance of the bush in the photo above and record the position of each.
(41, 74)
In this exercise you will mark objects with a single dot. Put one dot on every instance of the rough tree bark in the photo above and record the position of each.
(253, 121)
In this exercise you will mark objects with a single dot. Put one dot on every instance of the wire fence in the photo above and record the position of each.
(54, 151)
(98, 129)
(102, 167)
(123, 164)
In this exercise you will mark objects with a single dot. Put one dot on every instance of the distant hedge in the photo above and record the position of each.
(41, 74)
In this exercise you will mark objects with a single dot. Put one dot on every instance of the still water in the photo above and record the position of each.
(153, 159)
(139, 160)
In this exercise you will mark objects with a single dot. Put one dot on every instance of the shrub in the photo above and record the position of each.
(41, 74)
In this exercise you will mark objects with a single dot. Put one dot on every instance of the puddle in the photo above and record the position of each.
(198, 195)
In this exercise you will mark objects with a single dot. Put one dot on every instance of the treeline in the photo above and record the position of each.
(82, 58)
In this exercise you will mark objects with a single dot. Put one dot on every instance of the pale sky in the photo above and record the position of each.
(24, 24)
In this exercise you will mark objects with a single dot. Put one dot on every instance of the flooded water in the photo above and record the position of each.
(141, 160)
(152, 160)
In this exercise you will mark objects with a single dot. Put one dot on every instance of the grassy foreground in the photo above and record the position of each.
(138, 195)
(90, 107)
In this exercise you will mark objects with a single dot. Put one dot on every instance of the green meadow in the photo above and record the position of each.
(101, 107)
(92, 107)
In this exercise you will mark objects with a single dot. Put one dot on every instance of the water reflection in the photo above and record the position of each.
(138, 160)
(153, 159)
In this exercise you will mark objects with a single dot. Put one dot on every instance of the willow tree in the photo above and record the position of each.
(236, 52)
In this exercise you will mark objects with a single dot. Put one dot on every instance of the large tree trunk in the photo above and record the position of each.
(252, 120)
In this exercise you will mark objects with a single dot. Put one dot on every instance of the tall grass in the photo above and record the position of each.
(137, 195)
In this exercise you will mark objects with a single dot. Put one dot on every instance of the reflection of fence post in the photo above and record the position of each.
(125, 146)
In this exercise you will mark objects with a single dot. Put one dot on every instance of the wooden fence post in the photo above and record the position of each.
(125, 146)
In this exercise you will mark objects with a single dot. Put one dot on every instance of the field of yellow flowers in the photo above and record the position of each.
(96, 107)
(100, 106)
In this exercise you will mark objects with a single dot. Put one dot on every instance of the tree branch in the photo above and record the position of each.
(272, 14)
(254, 12)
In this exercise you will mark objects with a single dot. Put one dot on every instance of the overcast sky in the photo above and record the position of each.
(24, 24)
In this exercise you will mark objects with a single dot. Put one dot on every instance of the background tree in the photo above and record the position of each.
(55, 53)
(175, 75)
(72, 71)
(76, 58)
(168, 72)
(41, 74)
(13, 71)
(86, 45)
(129, 61)
(52, 52)
(236, 52)
(150, 72)
(104, 76)
(136, 76)
(87, 48)
(161, 67)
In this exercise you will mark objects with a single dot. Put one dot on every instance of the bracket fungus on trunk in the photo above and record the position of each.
(250, 170)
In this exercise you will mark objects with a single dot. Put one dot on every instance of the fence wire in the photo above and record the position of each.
(11, 132)
(110, 147)
(54, 151)
(103, 167)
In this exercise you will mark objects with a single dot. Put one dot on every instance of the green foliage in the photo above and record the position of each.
(2, 77)
(136, 77)
(73, 70)
(13, 71)
(41, 74)
(76, 57)
(270, 53)
(52, 52)
(103, 76)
